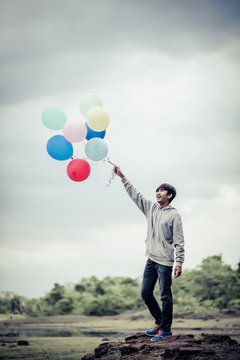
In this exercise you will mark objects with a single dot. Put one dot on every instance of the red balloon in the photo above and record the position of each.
(78, 170)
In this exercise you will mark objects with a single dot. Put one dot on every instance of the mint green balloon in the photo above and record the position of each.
(89, 101)
(54, 118)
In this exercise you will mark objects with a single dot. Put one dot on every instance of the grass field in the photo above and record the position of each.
(70, 337)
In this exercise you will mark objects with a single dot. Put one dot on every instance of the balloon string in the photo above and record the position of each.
(110, 162)
(113, 174)
(110, 180)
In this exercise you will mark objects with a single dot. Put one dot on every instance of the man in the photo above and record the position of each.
(164, 233)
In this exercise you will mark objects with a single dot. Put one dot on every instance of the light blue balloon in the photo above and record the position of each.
(59, 148)
(96, 149)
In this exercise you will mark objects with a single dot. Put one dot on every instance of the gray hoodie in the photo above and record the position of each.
(164, 230)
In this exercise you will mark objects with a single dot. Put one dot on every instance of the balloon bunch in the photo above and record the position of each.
(60, 147)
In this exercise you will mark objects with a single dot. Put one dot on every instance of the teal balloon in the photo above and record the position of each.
(88, 102)
(54, 117)
(96, 149)
(59, 148)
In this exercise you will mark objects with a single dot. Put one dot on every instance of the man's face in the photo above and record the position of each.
(162, 196)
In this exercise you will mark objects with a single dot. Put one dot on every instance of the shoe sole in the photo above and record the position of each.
(161, 337)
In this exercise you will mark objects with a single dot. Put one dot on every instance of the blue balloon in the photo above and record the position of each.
(59, 148)
(96, 149)
(94, 134)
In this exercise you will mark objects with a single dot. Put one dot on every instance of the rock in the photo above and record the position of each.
(105, 339)
(89, 357)
(23, 343)
(176, 347)
(213, 338)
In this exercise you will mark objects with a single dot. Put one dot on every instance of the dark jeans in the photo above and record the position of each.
(152, 272)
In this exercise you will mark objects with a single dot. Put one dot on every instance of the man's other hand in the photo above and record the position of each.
(177, 271)
(118, 171)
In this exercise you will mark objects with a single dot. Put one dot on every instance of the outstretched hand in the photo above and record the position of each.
(177, 271)
(118, 171)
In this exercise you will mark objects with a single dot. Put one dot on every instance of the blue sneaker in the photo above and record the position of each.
(160, 334)
(154, 329)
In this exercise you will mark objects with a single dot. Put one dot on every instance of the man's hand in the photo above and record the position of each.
(118, 171)
(177, 271)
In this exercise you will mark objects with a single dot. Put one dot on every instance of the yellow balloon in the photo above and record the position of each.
(98, 118)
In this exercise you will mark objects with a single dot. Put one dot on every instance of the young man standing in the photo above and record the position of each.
(164, 233)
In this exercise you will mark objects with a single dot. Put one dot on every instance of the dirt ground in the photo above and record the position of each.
(71, 337)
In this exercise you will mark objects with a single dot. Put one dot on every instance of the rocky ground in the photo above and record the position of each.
(177, 347)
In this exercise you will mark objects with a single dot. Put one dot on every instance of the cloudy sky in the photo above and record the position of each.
(168, 73)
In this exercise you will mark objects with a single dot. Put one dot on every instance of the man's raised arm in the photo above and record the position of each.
(135, 195)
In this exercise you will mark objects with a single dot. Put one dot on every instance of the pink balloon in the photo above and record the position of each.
(75, 130)
(78, 170)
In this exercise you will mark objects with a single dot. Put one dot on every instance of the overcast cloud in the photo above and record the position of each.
(168, 73)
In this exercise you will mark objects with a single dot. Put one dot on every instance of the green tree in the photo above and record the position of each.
(56, 294)
(64, 306)
(5, 306)
(203, 291)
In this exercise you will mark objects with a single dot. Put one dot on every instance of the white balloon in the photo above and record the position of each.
(89, 101)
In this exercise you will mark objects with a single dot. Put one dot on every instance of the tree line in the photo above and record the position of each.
(202, 292)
